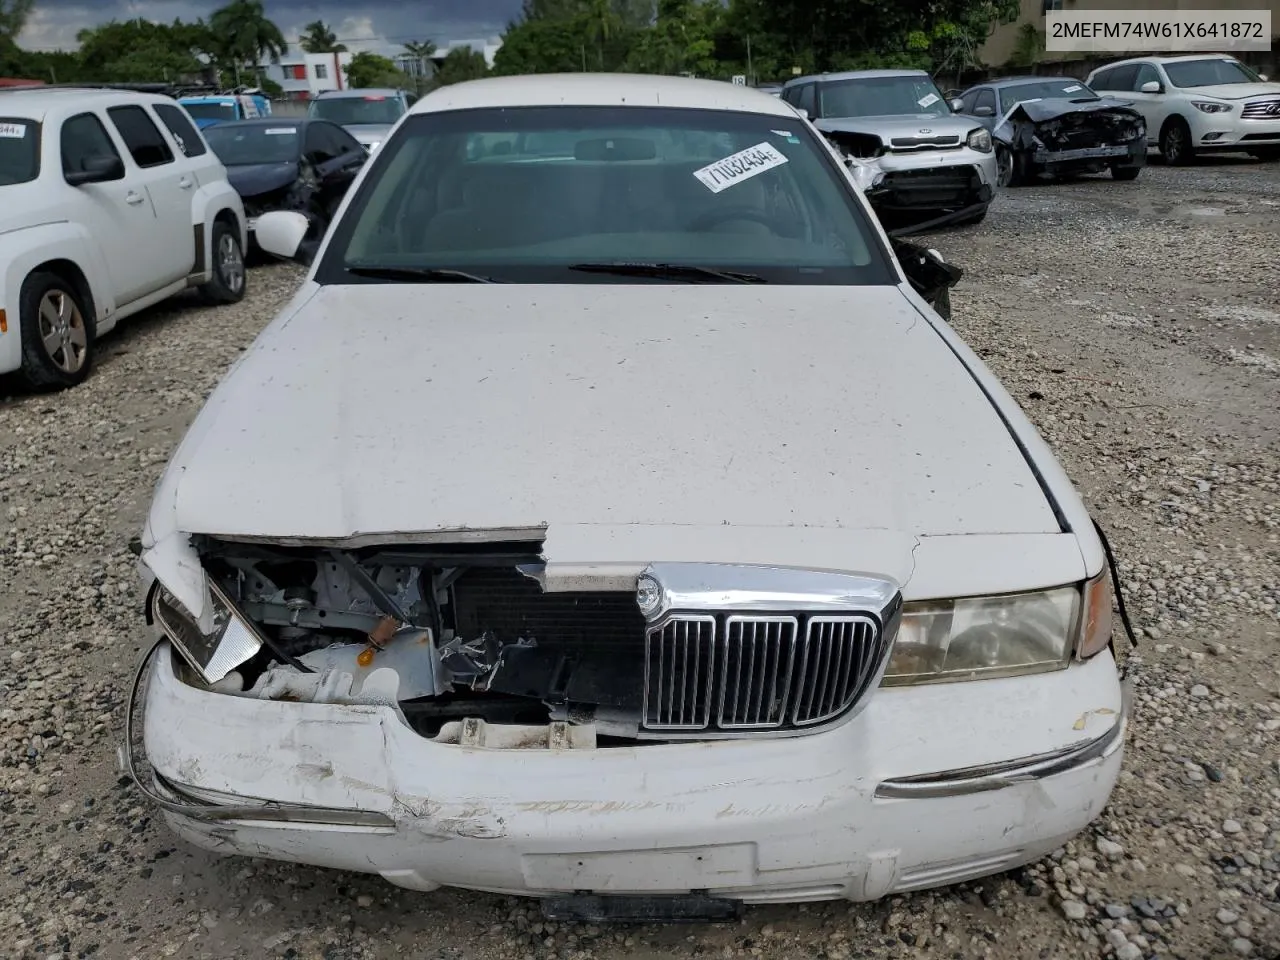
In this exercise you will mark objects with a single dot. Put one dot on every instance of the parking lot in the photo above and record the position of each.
(1139, 326)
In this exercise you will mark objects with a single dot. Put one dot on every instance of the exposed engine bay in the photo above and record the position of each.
(1055, 137)
(447, 633)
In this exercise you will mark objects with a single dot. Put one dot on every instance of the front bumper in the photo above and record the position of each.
(934, 182)
(857, 812)
(1216, 131)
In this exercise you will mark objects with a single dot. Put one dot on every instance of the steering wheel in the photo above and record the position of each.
(718, 215)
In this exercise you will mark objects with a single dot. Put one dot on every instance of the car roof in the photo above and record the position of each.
(855, 75)
(35, 103)
(601, 90)
(1183, 58)
(1019, 81)
(270, 122)
(357, 93)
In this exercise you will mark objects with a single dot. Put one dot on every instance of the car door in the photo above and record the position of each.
(170, 185)
(337, 157)
(117, 213)
(985, 109)
(1154, 107)
(1121, 82)
(203, 164)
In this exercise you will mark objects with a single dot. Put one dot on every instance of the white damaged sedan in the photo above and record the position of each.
(696, 563)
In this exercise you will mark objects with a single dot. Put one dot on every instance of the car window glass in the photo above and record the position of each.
(236, 144)
(143, 138)
(880, 96)
(702, 188)
(1209, 72)
(319, 145)
(986, 98)
(84, 138)
(807, 99)
(183, 130)
(1102, 80)
(19, 150)
(1124, 78)
(1146, 74)
(343, 142)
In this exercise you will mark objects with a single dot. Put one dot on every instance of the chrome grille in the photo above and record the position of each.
(1262, 109)
(837, 661)
(745, 672)
(937, 142)
(755, 672)
(679, 659)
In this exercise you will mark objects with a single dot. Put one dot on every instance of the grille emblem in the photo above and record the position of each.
(926, 130)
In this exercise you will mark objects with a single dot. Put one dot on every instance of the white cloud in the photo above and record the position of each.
(55, 29)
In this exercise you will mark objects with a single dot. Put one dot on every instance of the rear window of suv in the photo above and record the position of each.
(19, 151)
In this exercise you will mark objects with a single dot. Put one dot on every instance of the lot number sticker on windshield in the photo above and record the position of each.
(740, 166)
(13, 131)
(280, 131)
(1072, 89)
(928, 100)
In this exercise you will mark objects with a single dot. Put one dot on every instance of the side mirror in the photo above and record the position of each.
(984, 111)
(1262, 77)
(96, 170)
(957, 105)
(1152, 86)
(802, 111)
(281, 232)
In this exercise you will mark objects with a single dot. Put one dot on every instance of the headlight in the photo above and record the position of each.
(1207, 106)
(980, 140)
(982, 637)
(232, 642)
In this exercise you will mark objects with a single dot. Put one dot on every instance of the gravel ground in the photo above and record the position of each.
(1139, 324)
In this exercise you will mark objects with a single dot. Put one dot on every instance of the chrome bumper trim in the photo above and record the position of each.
(996, 776)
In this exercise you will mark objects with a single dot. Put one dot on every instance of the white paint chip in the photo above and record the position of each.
(928, 100)
(13, 131)
(740, 166)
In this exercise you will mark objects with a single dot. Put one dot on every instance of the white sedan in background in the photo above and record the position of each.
(626, 531)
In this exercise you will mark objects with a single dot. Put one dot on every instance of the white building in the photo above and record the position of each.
(487, 47)
(303, 75)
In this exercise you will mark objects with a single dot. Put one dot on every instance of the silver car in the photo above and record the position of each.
(934, 165)
(368, 115)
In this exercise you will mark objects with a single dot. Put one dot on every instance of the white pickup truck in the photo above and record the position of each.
(111, 202)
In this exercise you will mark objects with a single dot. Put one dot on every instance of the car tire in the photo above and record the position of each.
(1175, 143)
(227, 277)
(58, 333)
(1010, 168)
(1125, 172)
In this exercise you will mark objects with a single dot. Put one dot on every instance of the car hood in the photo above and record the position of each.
(1233, 91)
(405, 410)
(899, 126)
(368, 132)
(255, 179)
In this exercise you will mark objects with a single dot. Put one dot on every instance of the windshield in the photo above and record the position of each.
(212, 111)
(1065, 89)
(19, 151)
(882, 97)
(1209, 73)
(528, 194)
(244, 143)
(373, 110)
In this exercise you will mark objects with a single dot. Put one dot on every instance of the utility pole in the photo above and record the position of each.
(751, 74)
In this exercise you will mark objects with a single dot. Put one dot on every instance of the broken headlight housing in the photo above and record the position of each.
(981, 637)
(980, 140)
(213, 655)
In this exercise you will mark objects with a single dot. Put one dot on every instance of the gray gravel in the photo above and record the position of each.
(1138, 324)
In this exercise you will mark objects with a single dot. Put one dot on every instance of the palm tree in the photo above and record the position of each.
(318, 38)
(245, 35)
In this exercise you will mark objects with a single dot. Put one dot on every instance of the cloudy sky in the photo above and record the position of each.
(361, 24)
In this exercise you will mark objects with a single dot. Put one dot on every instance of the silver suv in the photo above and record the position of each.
(934, 165)
(368, 115)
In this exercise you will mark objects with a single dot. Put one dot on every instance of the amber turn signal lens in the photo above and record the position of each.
(1095, 632)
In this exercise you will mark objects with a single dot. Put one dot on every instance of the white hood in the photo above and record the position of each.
(391, 409)
(1233, 91)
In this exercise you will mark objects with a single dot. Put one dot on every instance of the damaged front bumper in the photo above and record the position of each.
(865, 809)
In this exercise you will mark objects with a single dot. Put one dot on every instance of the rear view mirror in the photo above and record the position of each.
(281, 232)
(96, 170)
(984, 111)
(1151, 86)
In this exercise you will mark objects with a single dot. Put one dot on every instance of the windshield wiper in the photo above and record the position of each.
(668, 271)
(421, 274)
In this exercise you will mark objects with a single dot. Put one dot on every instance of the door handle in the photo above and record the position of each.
(185, 183)
(133, 199)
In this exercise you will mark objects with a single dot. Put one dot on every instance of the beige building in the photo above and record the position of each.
(1007, 38)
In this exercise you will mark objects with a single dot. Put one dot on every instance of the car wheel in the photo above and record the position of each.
(227, 279)
(57, 333)
(1007, 173)
(1175, 143)
(1125, 173)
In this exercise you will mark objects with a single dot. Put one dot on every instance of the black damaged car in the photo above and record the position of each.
(286, 164)
(1055, 127)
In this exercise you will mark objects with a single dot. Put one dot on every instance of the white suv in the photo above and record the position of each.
(112, 201)
(1200, 102)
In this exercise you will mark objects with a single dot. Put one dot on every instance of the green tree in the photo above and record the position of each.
(140, 51)
(682, 40)
(461, 63)
(371, 70)
(244, 36)
(318, 38)
(13, 16)
(420, 49)
(542, 46)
